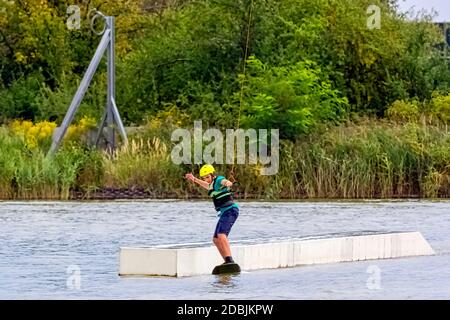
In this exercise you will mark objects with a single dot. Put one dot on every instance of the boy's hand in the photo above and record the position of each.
(226, 183)
(190, 177)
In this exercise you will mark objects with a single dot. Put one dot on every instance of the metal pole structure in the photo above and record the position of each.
(118, 120)
(111, 114)
(110, 134)
(81, 91)
(112, 80)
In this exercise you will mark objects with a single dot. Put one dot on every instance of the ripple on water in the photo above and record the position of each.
(43, 241)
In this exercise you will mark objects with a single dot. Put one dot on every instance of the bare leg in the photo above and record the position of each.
(218, 244)
(222, 245)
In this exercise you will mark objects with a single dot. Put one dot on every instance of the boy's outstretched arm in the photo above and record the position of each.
(200, 182)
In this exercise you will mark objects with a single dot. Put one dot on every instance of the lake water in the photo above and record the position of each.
(69, 250)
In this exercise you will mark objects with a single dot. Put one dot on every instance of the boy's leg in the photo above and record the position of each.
(222, 245)
(219, 244)
(223, 228)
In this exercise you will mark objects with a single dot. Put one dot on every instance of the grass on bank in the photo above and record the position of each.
(368, 159)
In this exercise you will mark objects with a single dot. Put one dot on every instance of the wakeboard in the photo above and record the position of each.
(227, 268)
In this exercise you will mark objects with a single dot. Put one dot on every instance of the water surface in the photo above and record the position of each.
(44, 245)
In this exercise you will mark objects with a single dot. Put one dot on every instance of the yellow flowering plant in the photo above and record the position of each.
(33, 135)
(40, 133)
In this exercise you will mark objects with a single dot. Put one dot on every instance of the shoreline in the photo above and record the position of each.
(113, 194)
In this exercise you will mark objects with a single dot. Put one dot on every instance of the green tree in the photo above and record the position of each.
(293, 99)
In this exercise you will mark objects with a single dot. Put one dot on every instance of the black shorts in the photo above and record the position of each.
(226, 221)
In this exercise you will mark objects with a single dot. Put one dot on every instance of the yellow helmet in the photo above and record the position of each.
(206, 169)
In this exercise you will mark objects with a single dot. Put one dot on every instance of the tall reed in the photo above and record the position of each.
(369, 159)
(143, 164)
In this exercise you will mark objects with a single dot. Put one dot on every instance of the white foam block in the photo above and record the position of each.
(190, 260)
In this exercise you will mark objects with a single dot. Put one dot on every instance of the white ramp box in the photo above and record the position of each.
(197, 259)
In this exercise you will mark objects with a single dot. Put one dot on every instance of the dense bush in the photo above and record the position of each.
(192, 55)
(293, 98)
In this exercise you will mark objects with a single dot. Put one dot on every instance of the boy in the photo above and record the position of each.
(218, 190)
